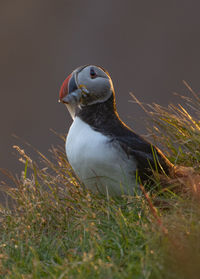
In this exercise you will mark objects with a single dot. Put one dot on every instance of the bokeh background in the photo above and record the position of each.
(148, 47)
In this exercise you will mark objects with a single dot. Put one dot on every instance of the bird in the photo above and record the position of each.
(105, 154)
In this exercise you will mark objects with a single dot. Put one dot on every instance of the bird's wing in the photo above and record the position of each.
(147, 156)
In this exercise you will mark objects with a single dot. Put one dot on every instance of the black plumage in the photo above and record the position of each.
(103, 117)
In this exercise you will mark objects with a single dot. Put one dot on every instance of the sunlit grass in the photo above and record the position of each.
(58, 229)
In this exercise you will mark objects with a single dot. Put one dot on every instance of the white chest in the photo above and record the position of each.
(100, 164)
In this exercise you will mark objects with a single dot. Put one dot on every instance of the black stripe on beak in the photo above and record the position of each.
(72, 84)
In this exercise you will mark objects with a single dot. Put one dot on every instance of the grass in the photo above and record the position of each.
(58, 229)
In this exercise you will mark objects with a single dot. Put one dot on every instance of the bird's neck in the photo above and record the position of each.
(99, 114)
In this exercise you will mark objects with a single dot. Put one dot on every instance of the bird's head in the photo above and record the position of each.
(85, 86)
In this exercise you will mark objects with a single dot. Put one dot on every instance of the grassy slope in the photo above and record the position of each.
(57, 233)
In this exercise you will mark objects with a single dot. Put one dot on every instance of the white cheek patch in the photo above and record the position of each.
(98, 89)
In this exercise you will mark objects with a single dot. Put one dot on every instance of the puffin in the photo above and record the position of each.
(105, 154)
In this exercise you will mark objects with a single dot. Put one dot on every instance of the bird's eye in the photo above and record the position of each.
(92, 73)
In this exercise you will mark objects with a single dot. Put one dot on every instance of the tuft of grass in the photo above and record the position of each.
(58, 229)
(177, 129)
(66, 232)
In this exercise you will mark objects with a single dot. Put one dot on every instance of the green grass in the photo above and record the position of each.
(57, 229)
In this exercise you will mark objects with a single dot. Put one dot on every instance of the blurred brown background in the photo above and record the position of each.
(148, 47)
